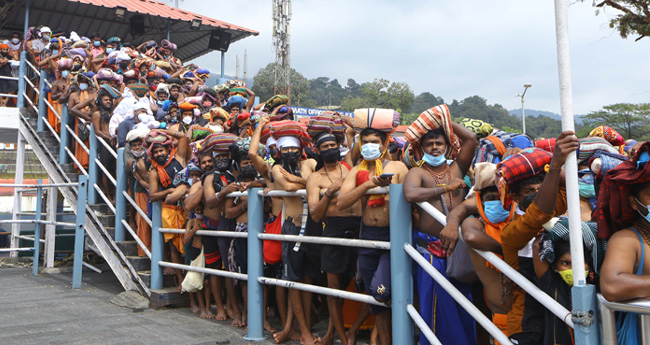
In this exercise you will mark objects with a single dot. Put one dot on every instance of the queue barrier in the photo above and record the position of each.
(79, 226)
(608, 317)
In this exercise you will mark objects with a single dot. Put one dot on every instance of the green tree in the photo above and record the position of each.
(349, 104)
(630, 120)
(633, 17)
(264, 86)
(425, 101)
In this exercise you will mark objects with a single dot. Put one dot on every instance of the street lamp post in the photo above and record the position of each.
(523, 114)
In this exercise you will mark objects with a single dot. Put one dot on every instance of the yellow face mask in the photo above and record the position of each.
(567, 275)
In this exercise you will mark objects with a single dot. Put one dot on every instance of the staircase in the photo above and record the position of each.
(100, 220)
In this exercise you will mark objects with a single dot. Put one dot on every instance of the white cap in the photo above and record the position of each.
(45, 29)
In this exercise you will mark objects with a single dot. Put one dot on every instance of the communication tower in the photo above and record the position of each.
(281, 73)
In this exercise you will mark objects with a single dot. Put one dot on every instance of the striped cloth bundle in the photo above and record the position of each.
(238, 91)
(384, 120)
(326, 122)
(218, 142)
(589, 146)
(276, 100)
(434, 118)
(284, 128)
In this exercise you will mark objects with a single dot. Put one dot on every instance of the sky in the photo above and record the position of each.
(452, 49)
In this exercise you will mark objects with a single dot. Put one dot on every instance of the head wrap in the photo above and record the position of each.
(287, 141)
(276, 100)
(168, 104)
(105, 74)
(434, 118)
(220, 88)
(4, 46)
(137, 133)
(139, 89)
(613, 211)
(325, 137)
(240, 147)
(187, 106)
(219, 113)
(174, 82)
(485, 175)
(235, 101)
(109, 90)
(202, 72)
(188, 75)
(219, 142)
(589, 146)
(525, 164)
(45, 29)
(156, 137)
(164, 88)
(560, 232)
(270, 142)
(480, 128)
(140, 105)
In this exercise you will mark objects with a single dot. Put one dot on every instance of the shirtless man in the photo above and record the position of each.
(80, 105)
(292, 175)
(166, 162)
(216, 185)
(440, 183)
(100, 119)
(336, 261)
(374, 264)
(272, 269)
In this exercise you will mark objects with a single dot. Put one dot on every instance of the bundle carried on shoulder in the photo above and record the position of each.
(238, 91)
(525, 164)
(481, 128)
(384, 120)
(492, 148)
(286, 128)
(236, 101)
(429, 120)
(218, 142)
(326, 122)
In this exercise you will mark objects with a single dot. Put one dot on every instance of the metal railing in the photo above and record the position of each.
(38, 222)
(608, 318)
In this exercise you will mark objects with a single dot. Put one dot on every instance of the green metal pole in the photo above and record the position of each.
(255, 266)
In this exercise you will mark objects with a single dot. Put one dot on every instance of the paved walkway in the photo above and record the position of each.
(45, 310)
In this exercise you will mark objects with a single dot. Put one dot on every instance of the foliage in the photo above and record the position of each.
(630, 120)
(633, 17)
(300, 86)
(425, 101)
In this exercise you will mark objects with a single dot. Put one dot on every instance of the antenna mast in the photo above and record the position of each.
(281, 73)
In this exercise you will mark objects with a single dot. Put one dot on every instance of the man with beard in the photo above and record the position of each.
(336, 261)
(80, 105)
(375, 170)
(106, 100)
(176, 90)
(291, 175)
(134, 155)
(439, 182)
(166, 162)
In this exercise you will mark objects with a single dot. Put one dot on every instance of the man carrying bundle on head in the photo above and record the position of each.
(213, 190)
(298, 265)
(138, 181)
(166, 162)
(106, 101)
(434, 138)
(375, 170)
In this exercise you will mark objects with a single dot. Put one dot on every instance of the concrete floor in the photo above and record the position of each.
(45, 310)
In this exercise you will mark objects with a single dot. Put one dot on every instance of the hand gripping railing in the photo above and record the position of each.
(608, 318)
(530, 288)
(78, 226)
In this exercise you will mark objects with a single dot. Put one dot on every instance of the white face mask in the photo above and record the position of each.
(15, 40)
(216, 128)
(187, 120)
(142, 117)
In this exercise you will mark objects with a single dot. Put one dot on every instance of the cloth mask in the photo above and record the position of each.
(567, 275)
(83, 86)
(248, 171)
(291, 158)
(331, 155)
(222, 164)
(370, 151)
(435, 161)
(54, 52)
(587, 190)
(64, 74)
(495, 212)
(647, 216)
(15, 40)
(109, 50)
(97, 43)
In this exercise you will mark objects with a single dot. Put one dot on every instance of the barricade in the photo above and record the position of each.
(608, 318)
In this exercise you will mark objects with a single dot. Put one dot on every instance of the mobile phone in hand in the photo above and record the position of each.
(388, 176)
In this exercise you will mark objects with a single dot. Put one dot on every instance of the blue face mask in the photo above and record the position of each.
(587, 190)
(83, 87)
(370, 151)
(647, 216)
(97, 43)
(64, 74)
(109, 50)
(435, 161)
(495, 212)
(54, 52)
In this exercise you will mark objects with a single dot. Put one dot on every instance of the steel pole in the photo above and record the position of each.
(37, 227)
(79, 232)
(22, 85)
(63, 155)
(120, 200)
(583, 297)
(255, 268)
(401, 275)
(42, 107)
(523, 114)
(223, 63)
(92, 166)
(156, 246)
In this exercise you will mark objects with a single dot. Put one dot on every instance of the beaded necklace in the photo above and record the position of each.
(437, 177)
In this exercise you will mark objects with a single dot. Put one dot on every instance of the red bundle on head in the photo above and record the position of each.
(523, 165)
(284, 128)
(434, 118)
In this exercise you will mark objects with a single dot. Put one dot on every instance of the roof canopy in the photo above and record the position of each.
(88, 16)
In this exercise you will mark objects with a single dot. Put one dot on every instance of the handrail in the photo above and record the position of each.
(456, 295)
(639, 306)
(105, 171)
(9, 78)
(32, 84)
(532, 289)
(136, 238)
(8, 95)
(327, 240)
(30, 102)
(76, 138)
(76, 162)
(422, 325)
(137, 208)
(300, 192)
(101, 194)
(210, 233)
(56, 113)
(36, 186)
(220, 273)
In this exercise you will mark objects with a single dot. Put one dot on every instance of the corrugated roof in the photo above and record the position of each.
(88, 16)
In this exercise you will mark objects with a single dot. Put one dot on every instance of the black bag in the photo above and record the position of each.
(83, 131)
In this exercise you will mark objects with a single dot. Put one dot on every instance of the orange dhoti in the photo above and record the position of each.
(173, 217)
(52, 119)
(144, 230)
(79, 152)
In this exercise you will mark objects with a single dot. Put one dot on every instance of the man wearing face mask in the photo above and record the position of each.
(336, 261)
(15, 45)
(186, 117)
(139, 114)
(162, 94)
(176, 90)
(98, 47)
(80, 105)
(138, 181)
(106, 99)
(375, 170)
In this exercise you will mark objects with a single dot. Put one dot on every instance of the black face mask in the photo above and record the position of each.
(291, 158)
(124, 66)
(273, 152)
(331, 156)
(248, 171)
(222, 164)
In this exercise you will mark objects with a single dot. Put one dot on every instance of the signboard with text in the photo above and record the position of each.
(301, 111)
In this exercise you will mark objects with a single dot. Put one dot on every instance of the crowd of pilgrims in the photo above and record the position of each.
(189, 146)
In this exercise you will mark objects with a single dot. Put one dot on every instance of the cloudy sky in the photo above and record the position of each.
(453, 49)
